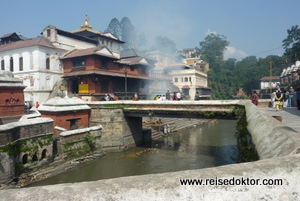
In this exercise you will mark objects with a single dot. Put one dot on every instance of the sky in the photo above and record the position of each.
(253, 27)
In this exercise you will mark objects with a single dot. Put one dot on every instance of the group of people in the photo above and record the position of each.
(110, 97)
(175, 96)
(281, 99)
(285, 98)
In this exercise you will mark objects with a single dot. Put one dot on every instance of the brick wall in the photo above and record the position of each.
(11, 101)
(60, 119)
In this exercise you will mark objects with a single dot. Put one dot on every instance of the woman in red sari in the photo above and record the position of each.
(254, 98)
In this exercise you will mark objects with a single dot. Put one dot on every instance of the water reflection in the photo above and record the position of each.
(208, 145)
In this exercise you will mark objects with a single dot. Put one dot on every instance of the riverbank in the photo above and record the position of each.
(59, 165)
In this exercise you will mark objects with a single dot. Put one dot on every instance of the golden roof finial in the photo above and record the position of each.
(86, 22)
(86, 26)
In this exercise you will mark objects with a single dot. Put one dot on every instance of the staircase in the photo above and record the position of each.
(175, 124)
(56, 89)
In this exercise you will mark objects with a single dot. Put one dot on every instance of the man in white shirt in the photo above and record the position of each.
(178, 95)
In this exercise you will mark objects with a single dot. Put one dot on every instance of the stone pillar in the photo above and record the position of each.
(134, 130)
(118, 132)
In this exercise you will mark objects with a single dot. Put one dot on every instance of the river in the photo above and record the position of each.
(208, 145)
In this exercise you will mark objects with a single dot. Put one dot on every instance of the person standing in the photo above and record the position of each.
(284, 98)
(174, 97)
(168, 95)
(298, 98)
(273, 99)
(37, 105)
(291, 97)
(27, 107)
(106, 97)
(254, 98)
(197, 96)
(136, 96)
(279, 100)
(178, 96)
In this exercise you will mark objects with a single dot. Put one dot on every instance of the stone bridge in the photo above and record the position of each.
(122, 120)
(178, 109)
(278, 147)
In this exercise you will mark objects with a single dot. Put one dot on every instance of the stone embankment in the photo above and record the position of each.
(60, 166)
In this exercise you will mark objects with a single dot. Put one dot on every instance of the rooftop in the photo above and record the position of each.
(39, 41)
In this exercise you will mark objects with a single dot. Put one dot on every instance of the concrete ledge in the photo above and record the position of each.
(81, 130)
(271, 137)
(28, 122)
(166, 186)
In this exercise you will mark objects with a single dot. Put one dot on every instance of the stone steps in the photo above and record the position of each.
(177, 124)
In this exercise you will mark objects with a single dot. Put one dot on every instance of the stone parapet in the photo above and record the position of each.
(167, 186)
(271, 137)
(80, 141)
(25, 129)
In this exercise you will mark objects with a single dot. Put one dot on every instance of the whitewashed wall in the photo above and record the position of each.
(38, 80)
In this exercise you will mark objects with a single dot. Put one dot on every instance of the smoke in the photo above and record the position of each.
(169, 22)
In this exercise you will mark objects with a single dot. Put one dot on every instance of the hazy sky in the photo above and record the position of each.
(253, 27)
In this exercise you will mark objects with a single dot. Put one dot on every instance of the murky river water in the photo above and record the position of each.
(208, 145)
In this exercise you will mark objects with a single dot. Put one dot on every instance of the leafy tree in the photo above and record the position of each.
(279, 63)
(212, 48)
(292, 43)
(164, 44)
(128, 32)
(114, 27)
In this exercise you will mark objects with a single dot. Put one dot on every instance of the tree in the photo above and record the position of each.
(114, 27)
(164, 44)
(212, 48)
(128, 33)
(292, 43)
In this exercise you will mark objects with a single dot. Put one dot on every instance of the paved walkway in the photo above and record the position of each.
(290, 116)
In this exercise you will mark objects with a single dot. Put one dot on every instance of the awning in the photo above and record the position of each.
(185, 87)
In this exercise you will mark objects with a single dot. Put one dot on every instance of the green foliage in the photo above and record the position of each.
(128, 34)
(114, 27)
(291, 43)
(125, 31)
(212, 48)
(80, 146)
(227, 77)
(27, 145)
(90, 141)
(246, 148)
